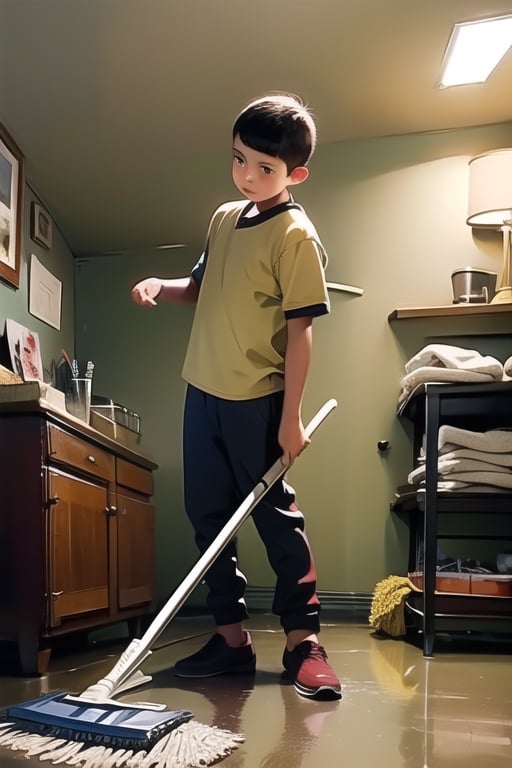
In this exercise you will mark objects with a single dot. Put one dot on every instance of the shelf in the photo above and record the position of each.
(470, 503)
(461, 606)
(344, 288)
(454, 502)
(451, 310)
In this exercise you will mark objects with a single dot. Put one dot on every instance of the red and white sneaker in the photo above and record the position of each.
(312, 676)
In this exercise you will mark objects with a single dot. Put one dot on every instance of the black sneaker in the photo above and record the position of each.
(218, 658)
(312, 676)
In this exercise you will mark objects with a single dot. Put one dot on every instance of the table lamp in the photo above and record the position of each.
(490, 207)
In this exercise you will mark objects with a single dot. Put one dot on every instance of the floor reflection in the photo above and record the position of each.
(399, 710)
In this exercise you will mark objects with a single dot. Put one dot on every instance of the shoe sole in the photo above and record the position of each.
(323, 693)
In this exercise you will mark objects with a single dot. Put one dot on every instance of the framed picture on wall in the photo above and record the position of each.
(12, 182)
(40, 226)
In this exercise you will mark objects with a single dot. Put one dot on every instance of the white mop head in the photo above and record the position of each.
(191, 745)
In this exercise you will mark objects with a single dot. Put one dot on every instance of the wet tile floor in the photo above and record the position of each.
(399, 710)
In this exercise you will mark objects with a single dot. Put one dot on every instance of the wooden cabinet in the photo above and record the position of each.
(76, 530)
(78, 556)
(135, 534)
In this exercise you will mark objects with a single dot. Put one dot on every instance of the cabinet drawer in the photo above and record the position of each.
(64, 448)
(131, 476)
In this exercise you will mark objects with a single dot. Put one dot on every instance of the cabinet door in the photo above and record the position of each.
(135, 554)
(78, 548)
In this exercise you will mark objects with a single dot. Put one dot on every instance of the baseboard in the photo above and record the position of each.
(345, 605)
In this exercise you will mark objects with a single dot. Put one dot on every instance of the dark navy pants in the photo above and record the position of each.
(228, 445)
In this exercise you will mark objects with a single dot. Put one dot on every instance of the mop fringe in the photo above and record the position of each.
(191, 745)
(387, 614)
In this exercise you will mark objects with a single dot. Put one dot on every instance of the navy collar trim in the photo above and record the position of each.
(245, 221)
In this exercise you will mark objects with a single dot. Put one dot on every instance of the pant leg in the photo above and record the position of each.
(211, 496)
(281, 526)
(249, 431)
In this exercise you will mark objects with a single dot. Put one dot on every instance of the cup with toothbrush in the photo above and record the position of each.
(78, 393)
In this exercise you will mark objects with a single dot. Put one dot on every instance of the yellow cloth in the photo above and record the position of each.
(387, 610)
(8, 377)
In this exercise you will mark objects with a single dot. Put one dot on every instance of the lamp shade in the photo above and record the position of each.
(490, 189)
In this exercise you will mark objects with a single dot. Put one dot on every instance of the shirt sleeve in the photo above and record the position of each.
(197, 272)
(301, 274)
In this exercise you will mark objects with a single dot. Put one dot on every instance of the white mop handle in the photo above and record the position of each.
(138, 650)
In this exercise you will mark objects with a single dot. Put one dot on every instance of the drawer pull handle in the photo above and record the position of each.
(57, 594)
(53, 500)
(111, 511)
(91, 459)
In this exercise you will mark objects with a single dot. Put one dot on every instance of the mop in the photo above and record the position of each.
(388, 605)
(92, 730)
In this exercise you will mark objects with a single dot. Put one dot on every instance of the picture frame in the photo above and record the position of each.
(12, 184)
(41, 230)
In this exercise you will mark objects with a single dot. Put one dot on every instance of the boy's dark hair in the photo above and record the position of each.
(279, 125)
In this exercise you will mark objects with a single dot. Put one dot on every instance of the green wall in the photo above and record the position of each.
(137, 353)
(391, 213)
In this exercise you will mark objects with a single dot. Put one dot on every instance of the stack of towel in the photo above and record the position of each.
(442, 363)
(470, 461)
(467, 461)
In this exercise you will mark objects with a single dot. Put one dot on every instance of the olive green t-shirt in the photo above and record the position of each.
(257, 272)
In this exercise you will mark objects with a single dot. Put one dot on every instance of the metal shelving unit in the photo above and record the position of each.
(477, 407)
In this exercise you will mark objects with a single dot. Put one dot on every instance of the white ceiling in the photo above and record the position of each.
(123, 108)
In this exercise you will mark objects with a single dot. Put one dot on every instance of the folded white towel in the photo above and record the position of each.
(446, 466)
(449, 485)
(456, 486)
(492, 441)
(438, 363)
(472, 488)
(498, 459)
(459, 466)
(447, 356)
(507, 367)
(498, 479)
(431, 374)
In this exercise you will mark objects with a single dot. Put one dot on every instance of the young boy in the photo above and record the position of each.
(257, 287)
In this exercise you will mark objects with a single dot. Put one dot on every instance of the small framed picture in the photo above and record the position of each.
(40, 226)
(12, 183)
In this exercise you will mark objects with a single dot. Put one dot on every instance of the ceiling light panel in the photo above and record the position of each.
(474, 50)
